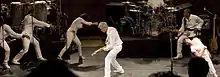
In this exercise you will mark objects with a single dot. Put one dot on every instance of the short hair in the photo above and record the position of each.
(85, 16)
(30, 11)
(198, 67)
(188, 11)
(102, 25)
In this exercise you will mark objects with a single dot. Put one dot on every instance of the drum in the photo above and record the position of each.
(152, 25)
(147, 9)
(16, 15)
(128, 22)
(19, 10)
(41, 10)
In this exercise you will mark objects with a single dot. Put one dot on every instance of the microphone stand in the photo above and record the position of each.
(171, 41)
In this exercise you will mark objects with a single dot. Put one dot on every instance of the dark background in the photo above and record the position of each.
(98, 11)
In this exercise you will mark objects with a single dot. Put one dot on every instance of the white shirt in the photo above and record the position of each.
(113, 39)
(6, 31)
(198, 46)
(78, 24)
(28, 27)
(194, 22)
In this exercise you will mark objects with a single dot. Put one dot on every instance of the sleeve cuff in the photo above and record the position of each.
(105, 49)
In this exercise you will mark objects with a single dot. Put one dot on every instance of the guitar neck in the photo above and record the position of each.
(214, 26)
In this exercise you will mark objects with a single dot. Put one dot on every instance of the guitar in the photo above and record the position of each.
(180, 33)
(213, 41)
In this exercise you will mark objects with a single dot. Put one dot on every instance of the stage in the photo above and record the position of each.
(134, 67)
(140, 57)
(133, 47)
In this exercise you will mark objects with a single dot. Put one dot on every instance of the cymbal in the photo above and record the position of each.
(127, 2)
(133, 10)
(170, 8)
(142, 2)
(133, 5)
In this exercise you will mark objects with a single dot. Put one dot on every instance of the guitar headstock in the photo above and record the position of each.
(215, 16)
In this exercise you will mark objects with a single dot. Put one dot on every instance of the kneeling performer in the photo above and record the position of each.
(200, 50)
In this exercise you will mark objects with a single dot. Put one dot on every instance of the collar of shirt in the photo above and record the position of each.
(190, 17)
(108, 30)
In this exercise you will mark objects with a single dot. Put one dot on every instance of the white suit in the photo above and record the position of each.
(6, 31)
(71, 35)
(194, 22)
(197, 46)
(29, 23)
(114, 46)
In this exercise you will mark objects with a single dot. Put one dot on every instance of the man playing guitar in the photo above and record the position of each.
(190, 25)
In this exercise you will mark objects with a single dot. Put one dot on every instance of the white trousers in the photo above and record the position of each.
(71, 37)
(26, 44)
(211, 66)
(180, 44)
(110, 59)
(5, 46)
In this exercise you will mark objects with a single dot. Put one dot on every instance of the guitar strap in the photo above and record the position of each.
(185, 23)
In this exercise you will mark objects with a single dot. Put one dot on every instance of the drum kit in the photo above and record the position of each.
(41, 11)
(145, 20)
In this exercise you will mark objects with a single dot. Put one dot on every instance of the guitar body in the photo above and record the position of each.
(214, 45)
(213, 42)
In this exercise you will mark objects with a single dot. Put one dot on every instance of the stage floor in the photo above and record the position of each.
(134, 67)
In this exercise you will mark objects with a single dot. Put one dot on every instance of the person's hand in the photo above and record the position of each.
(53, 27)
(93, 53)
(49, 25)
(176, 37)
(100, 49)
(95, 23)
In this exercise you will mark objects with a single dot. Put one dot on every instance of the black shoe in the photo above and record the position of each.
(80, 60)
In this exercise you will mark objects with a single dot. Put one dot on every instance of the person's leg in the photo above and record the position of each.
(179, 47)
(69, 39)
(114, 62)
(211, 66)
(37, 49)
(5, 46)
(79, 46)
(107, 69)
(26, 43)
(108, 60)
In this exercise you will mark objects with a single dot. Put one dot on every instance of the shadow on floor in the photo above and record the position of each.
(116, 75)
(5, 72)
(77, 67)
(145, 60)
